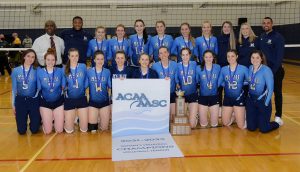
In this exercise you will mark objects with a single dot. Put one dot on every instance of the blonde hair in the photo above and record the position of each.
(252, 35)
(100, 27)
(232, 41)
(206, 21)
(190, 35)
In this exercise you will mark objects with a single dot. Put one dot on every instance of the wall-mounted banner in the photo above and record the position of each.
(140, 120)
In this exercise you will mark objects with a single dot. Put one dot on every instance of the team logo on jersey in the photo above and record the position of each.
(269, 41)
(252, 45)
(140, 100)
(85, 38)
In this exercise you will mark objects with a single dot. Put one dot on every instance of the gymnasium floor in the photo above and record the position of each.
(226, 148)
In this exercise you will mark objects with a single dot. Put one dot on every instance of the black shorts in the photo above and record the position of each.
(208, 100)
(230, 101)
(172, 97)
(192, 98)
(52, 105)
(76, 103)
(99, 105)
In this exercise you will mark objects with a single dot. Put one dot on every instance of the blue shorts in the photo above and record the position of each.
(208, 100)
(231, 101)
(99, 105)
(172, 97)
(76, 103)
(192, 98)
(51, 105)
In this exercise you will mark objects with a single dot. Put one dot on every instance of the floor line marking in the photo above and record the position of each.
(7, 91)
(37, 154)
(291, 119)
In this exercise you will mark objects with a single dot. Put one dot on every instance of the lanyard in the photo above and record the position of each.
(99, 79)
(185, 75)
(26, 77)
(232, 76)
(120, 47)
(163, 69)
(51, 80)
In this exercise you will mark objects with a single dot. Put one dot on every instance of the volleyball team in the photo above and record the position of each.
(243, 69)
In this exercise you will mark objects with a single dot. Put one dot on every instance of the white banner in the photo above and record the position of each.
(140, 111)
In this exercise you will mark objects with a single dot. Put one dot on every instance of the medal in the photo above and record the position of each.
(209, 77)
(209, 85)
(185, 75)
(98, 84)
(120, 47)
(252, 80)
(50, 80)
(166, 75)
(25, 78)
(187, 45)
(160, 42)
(231, 77)
(140, 45)
(101, 44)
(74, 78)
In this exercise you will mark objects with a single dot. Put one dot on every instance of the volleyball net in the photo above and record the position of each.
(28, 17)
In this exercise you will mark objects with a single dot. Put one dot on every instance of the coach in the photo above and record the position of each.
(271, 43)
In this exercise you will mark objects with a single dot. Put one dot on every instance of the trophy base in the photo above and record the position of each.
(183, 119)
(180, 129)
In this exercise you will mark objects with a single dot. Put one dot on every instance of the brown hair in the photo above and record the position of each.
(68, 65)
(186, 48)
(232, 41)
(121, 25)
(203, 62)
(190, 36)
(145, 35)
(50, 51)
(262, 56)
(35, 63)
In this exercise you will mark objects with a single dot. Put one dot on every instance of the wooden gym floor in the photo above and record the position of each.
(224, 148)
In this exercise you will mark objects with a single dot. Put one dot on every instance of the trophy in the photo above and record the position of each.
(180, 103)
(180, 125)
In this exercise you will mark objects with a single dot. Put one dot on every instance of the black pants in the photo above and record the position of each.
(4, 64)
(278, 77)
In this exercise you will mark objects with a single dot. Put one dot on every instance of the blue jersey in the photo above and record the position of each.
(233, 81)
(180, 43)
(244, 50)
(76, 82)
(261, 83)
(24, 85)
(170, 72)
(94, 46)
(136, 73)
(208, 80)
(156, 43)
(272, 45)
(115, 45)
(116, 73)
(137, 47)
(51, 84)
(99, 84)
(203, 44)
(186, 77)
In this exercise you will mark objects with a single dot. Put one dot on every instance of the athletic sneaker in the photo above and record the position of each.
(279, 120)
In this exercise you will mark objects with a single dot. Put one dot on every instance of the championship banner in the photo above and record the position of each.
(140, 120)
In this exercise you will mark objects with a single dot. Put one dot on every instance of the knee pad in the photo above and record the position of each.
(92, 127)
